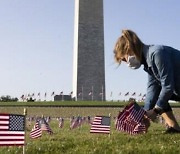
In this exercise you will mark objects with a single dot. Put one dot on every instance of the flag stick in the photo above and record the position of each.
(110, 125)
(92, 93)
(62, 97)
(102, 93)
(25, 113)
(82, 93)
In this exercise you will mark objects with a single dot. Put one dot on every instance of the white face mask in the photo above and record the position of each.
(133, 62)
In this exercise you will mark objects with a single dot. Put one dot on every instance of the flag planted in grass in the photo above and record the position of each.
(45, 126)
(36, 131)
(130, 120)
(40, 125)
(75, 123)
(61, 122)
(12, 130)
(100, 124)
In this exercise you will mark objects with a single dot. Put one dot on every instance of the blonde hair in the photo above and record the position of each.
(128, 43)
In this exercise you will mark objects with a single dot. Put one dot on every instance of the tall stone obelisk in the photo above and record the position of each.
(89, 64)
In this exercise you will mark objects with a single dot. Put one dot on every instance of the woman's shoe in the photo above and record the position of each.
(171, 130)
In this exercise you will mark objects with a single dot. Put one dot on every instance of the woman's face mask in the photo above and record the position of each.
(133, 62)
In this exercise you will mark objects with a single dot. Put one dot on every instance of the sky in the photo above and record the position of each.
(36, 43)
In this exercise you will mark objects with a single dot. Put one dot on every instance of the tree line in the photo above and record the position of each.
(8, 98)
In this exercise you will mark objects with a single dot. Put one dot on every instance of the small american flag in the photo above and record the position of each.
(80, 93)
(36, 131)
(89, 120)
(126, 94)
(45, 126)
(12, 130)
(100, 124)
(61, 123)
(40, 125)
(53, 93)
(133, 94)
(75, 123)
(90, 93)
(130, 119)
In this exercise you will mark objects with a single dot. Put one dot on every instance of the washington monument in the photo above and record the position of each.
(89, 68)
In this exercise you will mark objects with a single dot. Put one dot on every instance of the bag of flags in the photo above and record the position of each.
(132, 119)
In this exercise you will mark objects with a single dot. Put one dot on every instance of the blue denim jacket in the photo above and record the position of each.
(162, 63)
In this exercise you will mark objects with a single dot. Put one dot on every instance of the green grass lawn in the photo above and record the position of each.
(74, 103)
(80, 141)
(64, 103)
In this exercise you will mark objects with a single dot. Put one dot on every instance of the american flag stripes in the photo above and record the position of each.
(100, 124)
(40, 125)
(12, 130)
(45, 126)
(76, 122)
(136, 113)
(130, 119)
(36, 131)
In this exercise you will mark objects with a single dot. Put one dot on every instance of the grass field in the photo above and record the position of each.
(74, 103)
(64, 103)
(80, 141)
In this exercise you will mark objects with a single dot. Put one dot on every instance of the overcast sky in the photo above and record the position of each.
(36, 43)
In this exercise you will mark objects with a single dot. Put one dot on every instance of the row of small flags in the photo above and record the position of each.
(23, 96)
(90, 93)
(129, 94)
(40, 126)
(100, 124)
(12, 126)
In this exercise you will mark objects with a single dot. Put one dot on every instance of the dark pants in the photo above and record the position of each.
(173, 98)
